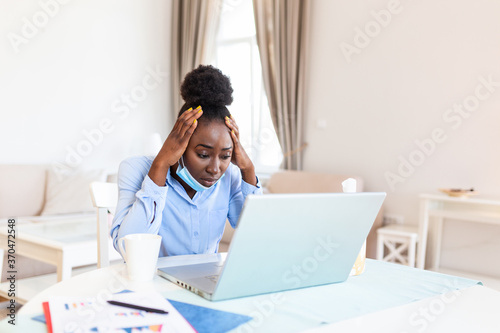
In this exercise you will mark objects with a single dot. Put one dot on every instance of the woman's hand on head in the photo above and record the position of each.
(175, 145)
(239, 156)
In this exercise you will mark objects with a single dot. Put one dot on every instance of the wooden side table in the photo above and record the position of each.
(436, 208)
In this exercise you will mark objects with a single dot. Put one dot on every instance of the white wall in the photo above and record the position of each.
(396, 89)
(65, 66)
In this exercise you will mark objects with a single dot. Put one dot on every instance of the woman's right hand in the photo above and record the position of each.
(175, 145)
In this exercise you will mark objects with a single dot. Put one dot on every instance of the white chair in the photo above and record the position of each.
(104, 197)
(397, 239)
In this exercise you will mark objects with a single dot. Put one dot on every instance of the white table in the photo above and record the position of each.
(302, 309)
(63, 243)
(436, 208)
(474, 309)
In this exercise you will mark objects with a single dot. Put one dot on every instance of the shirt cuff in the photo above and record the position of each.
(247, 189)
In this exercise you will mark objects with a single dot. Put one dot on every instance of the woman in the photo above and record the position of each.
(200, 177)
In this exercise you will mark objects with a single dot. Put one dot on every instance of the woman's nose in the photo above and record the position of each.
(213, 166)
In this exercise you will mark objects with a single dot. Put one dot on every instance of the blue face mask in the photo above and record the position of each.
(184, 174)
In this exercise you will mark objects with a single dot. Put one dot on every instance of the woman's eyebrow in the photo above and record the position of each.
(205, 146)
(210, 147)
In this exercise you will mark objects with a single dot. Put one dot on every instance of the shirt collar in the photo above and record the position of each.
(177, 187)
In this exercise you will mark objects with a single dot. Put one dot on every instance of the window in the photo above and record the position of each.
(237, 56)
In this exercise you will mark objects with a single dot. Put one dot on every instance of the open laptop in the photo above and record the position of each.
(283, 242)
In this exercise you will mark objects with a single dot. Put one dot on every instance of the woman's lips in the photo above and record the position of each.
(208, 181)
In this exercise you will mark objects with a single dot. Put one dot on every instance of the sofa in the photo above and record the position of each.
(41, 193)
(288, 181)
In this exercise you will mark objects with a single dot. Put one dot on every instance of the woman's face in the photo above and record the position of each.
(209, 152)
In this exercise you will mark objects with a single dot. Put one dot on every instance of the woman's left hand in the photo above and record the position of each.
(239, 156)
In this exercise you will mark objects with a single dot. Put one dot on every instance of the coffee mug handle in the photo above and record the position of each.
(122, 249)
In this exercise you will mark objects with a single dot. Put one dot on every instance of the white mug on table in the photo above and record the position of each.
(140, 252)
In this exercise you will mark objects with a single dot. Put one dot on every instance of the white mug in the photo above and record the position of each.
(140, 252)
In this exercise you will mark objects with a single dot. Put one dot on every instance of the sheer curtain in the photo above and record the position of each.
(194, 30)
(282, 27)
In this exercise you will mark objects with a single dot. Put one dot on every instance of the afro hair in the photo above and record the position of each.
(209, 87)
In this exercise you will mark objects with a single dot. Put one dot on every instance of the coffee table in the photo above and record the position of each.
(63, 243)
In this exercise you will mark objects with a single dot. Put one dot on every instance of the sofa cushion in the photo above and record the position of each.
(22, 190)
(290, 181)
(70, 193)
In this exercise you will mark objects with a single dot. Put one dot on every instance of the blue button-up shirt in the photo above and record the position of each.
(187, 226)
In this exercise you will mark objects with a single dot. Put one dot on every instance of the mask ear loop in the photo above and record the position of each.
(181, 161)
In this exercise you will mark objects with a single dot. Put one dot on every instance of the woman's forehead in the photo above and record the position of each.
(214, 134)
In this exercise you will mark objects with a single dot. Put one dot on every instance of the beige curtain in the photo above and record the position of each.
(195, 24)
(282, 27)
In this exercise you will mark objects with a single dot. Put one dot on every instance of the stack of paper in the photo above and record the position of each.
(94, 314)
